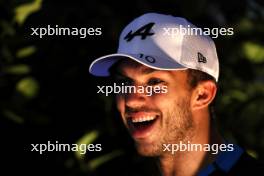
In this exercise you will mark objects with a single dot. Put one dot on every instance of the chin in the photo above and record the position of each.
(149, 150)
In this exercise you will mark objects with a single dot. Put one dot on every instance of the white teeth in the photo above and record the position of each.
(143, 119)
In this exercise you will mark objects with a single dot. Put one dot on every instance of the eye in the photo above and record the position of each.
(155, 81)
(124, 81)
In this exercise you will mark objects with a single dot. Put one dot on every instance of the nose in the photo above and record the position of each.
(135, 100)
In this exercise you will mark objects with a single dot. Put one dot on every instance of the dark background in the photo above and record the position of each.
(47, 94)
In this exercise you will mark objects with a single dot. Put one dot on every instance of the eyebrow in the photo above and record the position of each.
(148, 70)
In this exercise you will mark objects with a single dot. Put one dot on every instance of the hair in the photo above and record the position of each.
(197, 76)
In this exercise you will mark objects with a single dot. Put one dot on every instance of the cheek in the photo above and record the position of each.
(164, 100)
(120, 104)
(167, 102)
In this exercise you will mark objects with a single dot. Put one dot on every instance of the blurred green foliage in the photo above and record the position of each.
(47, 94)
(28, 87)
(24, 10)
(254, 52)
(88, 138)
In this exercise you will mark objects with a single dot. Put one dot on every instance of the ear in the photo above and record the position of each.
(203, 95)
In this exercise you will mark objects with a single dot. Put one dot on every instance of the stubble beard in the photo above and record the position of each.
(178, 126)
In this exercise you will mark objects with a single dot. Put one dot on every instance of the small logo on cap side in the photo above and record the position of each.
(150, 59)
(201, 58)
(144, 31)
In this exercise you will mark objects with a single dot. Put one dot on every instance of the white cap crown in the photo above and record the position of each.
(162, 42)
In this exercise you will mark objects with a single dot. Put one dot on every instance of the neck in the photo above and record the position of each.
(183, 163)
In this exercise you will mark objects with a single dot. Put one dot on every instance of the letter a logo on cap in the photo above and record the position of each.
(144, 31)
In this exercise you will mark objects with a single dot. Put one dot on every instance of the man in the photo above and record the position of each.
(174, 124)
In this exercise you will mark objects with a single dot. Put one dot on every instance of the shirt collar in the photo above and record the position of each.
(225, 160)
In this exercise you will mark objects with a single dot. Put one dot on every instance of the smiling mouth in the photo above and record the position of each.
(140, 126)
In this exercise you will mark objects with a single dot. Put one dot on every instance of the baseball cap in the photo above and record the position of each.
(152, 40)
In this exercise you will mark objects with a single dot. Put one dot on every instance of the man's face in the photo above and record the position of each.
(162, 118)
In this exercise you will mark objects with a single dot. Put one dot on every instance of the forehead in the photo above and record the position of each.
(129, 65)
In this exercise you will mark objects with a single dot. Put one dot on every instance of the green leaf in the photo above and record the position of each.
(245, 25)
(26, 51)
(17, 69)
(7, 29)
(24, 10)
(252, 153)
(13, 116)
(28, 87)
(88, 138)
(239, 95)
(254, 52)
(95, 163)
